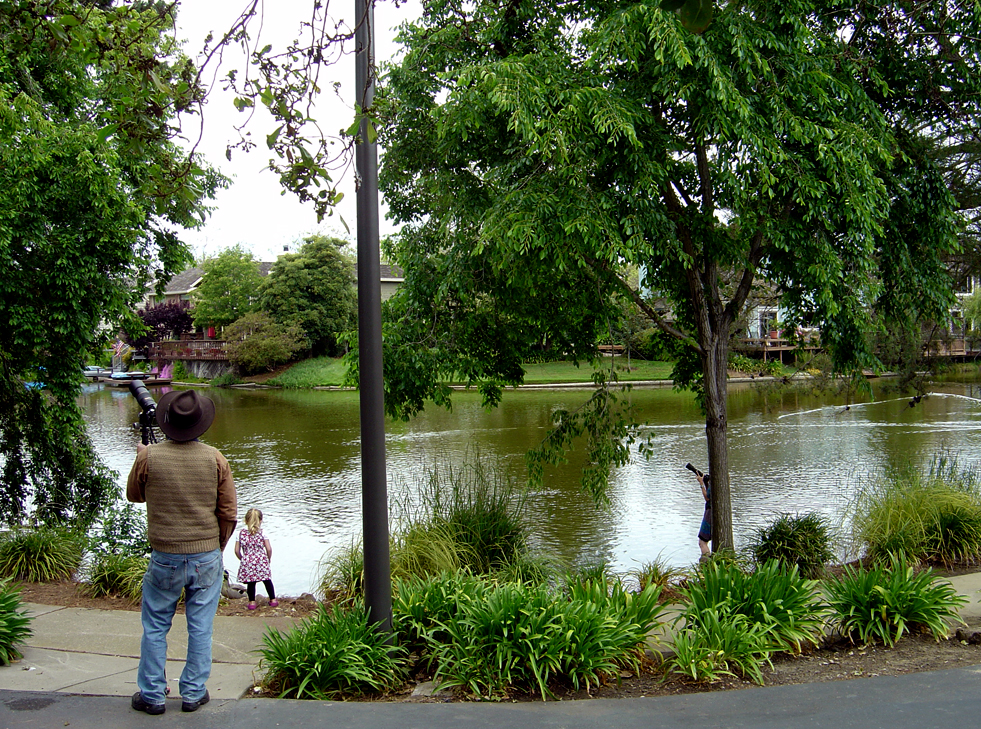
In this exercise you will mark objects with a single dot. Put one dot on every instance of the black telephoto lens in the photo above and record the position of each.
(142, 395)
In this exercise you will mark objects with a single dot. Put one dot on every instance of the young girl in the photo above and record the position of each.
(254, 551)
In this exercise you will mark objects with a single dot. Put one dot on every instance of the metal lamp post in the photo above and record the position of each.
(374, 485)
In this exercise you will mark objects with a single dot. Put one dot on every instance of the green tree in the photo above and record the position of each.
(540, 149)
(256, 343)
(314, 288)
(229, 289)
(92, 187)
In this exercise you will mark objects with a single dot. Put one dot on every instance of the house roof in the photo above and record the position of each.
(389, 272)
(187, 281)
(184, 282)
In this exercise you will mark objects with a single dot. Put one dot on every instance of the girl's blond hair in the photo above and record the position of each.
(253, 520)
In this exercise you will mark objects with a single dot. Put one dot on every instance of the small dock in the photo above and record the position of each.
(148, 382)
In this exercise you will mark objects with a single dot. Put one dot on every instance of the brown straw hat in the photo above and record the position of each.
(184, 415)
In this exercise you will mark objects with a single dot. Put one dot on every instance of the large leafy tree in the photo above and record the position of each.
(537, 149)
(315, 289)
(92, 189)
(229, 288)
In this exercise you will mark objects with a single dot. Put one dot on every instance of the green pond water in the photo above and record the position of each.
(295, 455)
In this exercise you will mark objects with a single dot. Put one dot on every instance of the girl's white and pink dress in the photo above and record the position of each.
(254, 566)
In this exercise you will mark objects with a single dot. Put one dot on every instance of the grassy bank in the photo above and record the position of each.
(315, 372)
(327, 372)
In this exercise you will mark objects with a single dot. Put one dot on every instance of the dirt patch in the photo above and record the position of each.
(72, 594)
(838, 661)
(263, 377)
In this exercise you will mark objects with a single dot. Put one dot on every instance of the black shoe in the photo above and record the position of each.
(140, 705)
(195, 705)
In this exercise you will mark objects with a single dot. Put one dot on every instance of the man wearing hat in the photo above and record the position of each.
(191, 513)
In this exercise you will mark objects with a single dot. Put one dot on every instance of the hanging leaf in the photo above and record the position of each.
(272, 137)
(696, 15)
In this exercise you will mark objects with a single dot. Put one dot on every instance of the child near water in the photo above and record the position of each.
(254, 553)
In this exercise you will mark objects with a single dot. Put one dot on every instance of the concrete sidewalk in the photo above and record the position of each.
(81, 663)
(96, 652)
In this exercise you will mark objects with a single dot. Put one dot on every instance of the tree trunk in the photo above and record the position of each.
(715, 364)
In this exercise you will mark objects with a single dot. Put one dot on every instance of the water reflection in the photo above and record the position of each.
(295, 455)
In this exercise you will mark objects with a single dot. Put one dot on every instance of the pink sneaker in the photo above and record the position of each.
(252, 606)
(274, 603)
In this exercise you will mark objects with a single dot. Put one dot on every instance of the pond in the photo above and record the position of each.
(295, 455)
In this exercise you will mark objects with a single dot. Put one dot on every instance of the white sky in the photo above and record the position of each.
(253, 212)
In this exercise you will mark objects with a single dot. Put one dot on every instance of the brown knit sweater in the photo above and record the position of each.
(189, 495)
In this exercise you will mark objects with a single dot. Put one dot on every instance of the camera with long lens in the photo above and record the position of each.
(693, 469)
(148, 411)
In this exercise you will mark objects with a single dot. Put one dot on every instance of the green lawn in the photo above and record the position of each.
(327, 372)
(552, 372)
(314, 372)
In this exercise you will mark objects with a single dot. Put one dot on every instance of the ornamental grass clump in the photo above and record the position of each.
(722, 645)
(801, 540)
(480, 508)
(932, 516)
(778, 598)
(489, 638)
(342, 574)
(15, 623)
(334, 653)
(657, 572)
(117, 574)
(884, 603)
(734, 621)
(44, 554)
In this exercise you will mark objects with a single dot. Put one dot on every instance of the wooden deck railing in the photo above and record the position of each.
(202, 349)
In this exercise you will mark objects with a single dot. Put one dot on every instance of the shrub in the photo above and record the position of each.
(466, 518)
(256, 343)
(15, 623)
(180, 373)
(342, 574)
(801, 540)
(591, 573)
(654, 344)
(480, 508)
(533, 569)
(40, 555)
(717, 645)
(117, 574)
(779, 599)
(425, 549)
(333, 653)
(742, 363)
(488, 637)
(473, 511)
(723, 558)
(933, 516)
(884, 603)
(226, 379)
(121, 529)
(422, 606)
(656, 572)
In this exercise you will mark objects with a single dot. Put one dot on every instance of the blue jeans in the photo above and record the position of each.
(168, 574)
